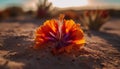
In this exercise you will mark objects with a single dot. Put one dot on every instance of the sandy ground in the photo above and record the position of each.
(102, 49)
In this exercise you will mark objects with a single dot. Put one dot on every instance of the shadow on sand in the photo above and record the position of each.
(112, 39)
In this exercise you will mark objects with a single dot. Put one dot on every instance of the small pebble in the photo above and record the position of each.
(1, 45)
(73, 60)
(38, 58)
(59, 58)
(16, 37)
(30, 55)
(103, 64)
(18, 44)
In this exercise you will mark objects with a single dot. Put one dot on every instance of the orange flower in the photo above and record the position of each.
(61, 35)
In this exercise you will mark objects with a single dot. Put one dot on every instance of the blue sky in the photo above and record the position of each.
(4, 3)
(23, 3)
(109, 1)
(31, 4)
(113, 2)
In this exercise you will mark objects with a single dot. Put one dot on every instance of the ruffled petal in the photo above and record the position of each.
(45, 32)
(62, 35)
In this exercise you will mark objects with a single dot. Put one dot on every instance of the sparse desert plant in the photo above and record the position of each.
(71, 14)
(0, 15)
(94, 19)
(3, 15)
(44, 9)
(30, 13)
(14, 11)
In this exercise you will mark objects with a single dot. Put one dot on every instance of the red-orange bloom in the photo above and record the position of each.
(61, 35)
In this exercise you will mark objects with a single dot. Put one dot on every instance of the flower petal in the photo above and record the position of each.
(62, 35)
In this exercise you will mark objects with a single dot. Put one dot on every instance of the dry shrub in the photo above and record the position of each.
(71, 15)
(44, 9)
(11, 12)
(3, 15)
(14, 11)
(94, 19)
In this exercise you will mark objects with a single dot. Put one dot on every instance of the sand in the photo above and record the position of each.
(101, 51)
